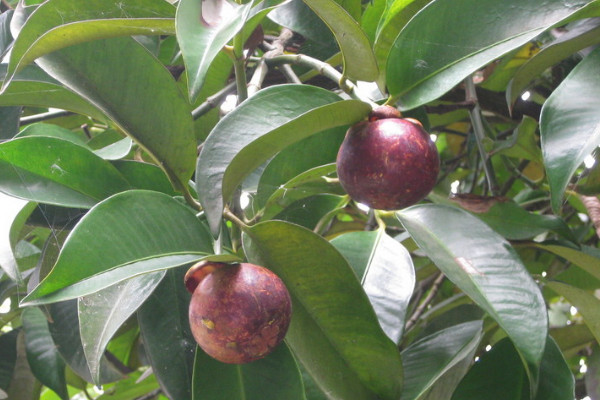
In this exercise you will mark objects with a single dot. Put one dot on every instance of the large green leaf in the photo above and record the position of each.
(273, 377)
(64, 328)
(394, 17)
(61, 173)
(8, 358)
(132, 387)
(44, 359)
(315, 181)
(129, 227)
(33, 87)
(487, 269)
(6, 38)
(586, 303)
(57, 24)
(156, 116)
(358, 57)
(587, 258)
(387, 275)
(334, 331)
(439, 47)
(314, 151)
(570, 125)
(102, 313)
(499, 375)
(201, 37)
(515, 223)
(169, 343)
(261, 126)
(584, 35)
(14, 215)
(430, 358)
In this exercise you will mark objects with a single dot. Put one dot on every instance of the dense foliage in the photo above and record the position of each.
(138, 137)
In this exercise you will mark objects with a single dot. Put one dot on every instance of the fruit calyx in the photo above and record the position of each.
(199, 271)
(383, 112)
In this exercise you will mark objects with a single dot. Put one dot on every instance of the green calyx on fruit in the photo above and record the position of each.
(387, 162)
(238, 313)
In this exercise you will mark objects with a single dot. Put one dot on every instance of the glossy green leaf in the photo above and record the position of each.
(312, 182)
(14, 215)
(129, 388)
(354, 43)
(571, 339)
(257, 129)
(9, 116)
(334, 331)
(131, 227)
(387, 275)
(64, 328)
(313, 212)
(57, 24)
(523, 143)
(499, 375)
(314, 151)
(586, 303)
(115, 151)
(44, 359)
(515, 223)
(6, 38)
(273, 377)
(570, 125)
(62, 173)
(487, 269)
(144, 176)
(168, 341)
(428, 59)
(297, 16)
(393, 18)
(430, 358)
(8, 358)
(33, 87)
(51, 130)
(102, 313)
(584, 35)
(201, 38)
(587, 258)
(156, 116)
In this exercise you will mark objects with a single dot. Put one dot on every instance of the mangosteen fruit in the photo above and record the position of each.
(387, 162)
(238, 313)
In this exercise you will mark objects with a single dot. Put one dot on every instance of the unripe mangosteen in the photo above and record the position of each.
(387, 162)
(239, 312)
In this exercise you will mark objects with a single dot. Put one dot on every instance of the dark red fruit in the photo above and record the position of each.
(387, 162)
(239, 312)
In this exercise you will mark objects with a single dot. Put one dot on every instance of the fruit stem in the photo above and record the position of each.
(479, 132)
(227, 213)
(323, 69)
(239, 67)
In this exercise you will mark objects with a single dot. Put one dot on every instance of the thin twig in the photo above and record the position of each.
(479, 132)
(275, 49)
(31, 119)
(213, 101)
(435, 287)
(323, 69)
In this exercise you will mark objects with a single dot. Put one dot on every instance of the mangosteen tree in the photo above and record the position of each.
(300, 200)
